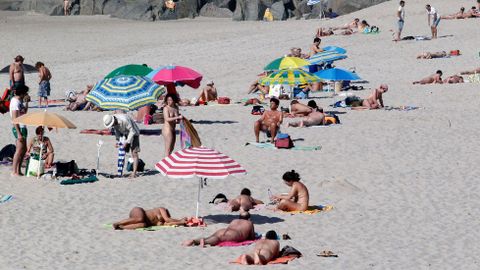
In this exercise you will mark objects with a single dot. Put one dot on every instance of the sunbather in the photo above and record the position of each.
(238, 230)
(470, 72)
(299, 109)
(244, 202)
(322, 32)
(297, 52)
(429, 55)
(459, 15)
(256, 86)
(313, 118)
(435, 78)
(265, 250)
(453, 79)
(352, 25)
(78, 102)
(270, 121)
(140, 218)
(209, 93)
(297, 199)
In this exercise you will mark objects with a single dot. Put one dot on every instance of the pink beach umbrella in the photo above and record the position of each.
(199, 162)
(170, 75)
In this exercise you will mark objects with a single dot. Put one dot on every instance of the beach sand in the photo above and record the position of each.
(403, 184)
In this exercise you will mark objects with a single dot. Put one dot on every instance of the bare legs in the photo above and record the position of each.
(288, 205)
(258, 126)
(137, 219)
(169, 137)
(135, 164)
(18, 157)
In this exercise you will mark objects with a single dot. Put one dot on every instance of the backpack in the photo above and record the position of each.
(7, 152)
(258, 110)
(140, 166)
(65, 168)
(283, 141)
(219, 198)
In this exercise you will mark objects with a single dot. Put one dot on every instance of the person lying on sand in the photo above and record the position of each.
(314, 118)
(351, 25)
(470, 72)
(435, 78)
(453, 79)
(78, 102)
(244, 202)
(472, 13)
(297, 199)
(458, 15)
(140, 218)
(270, 121)
(298, 109)
(265, 250)
(209, 93)
(238, 230)
(297, 52)
(323, 32)
(256, 86)
(429, 55)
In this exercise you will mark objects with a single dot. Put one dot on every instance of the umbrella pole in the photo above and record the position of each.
(200, 181)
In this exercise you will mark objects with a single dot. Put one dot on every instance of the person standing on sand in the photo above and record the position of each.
(433, 20)
(17, 109)
(171, 116)
(44, 76)
(124, 126)
(16, 72)
(401, 20)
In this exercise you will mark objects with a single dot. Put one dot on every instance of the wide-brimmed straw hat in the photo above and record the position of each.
(108, 120)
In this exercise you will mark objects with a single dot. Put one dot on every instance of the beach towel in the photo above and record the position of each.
(196, 222)
(279, 260)
(315, 209)
(73, 181)
(152, 228)
(121, 159)
(108, 132)
(235, 244)
(188, 135)
(5, 198)
(297, 147)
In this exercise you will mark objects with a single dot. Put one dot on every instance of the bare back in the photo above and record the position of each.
(267, 249)
(17, 70)
(300, 194)
(238, 230)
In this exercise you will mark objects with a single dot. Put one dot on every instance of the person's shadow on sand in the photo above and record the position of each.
(209, 122)
(255, 218)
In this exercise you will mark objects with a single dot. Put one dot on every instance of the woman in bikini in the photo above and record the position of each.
(140, 218)
(41, 145)
(171, 116)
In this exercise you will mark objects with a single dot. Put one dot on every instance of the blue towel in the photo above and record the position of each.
(5, 198)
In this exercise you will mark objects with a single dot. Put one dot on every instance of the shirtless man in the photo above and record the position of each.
(17, 76)
(140, 218)
(265, 250)
(44, 76)
(470, 72)
(314, 118)
(453, 79)
(435, 78)
(270, 121)
(238, 230)
(299, 109)
(244, 202)
(375, 100)
(209, 93)
(315, 48)
(297, 199)
(428, 55)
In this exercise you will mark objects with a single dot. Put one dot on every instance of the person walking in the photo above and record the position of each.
(125, 127)
(44, 76)
(433, 20)
(400, 20)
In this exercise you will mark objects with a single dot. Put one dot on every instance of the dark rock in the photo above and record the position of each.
(278, 11)
(211, 10)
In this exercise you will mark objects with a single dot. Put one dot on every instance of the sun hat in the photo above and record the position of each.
(108, 120)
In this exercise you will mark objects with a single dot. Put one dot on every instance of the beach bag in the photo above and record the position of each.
(289, 251)
(455, 52)
(283, 141)
(223, 100)
(219, 198)
(258, 110)
(65, 168)
(140, 166)
(7, 152)
(33, 167)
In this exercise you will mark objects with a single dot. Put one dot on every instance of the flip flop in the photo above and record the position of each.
(327, 253)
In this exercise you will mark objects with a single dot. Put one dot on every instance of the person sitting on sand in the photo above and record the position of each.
(78, 101)
(265, 250)
(453, 79)
(209, 93)
(238, 230)
(315, 48)
(375, 100)
(470, 72)
(314, 118)
(244, 202)
(429, 55)
(140, 218)
(472, 13)
(41, 145)
(363, 26)
(435, 78)
(270, 121)
(458, 15)
(297, 199)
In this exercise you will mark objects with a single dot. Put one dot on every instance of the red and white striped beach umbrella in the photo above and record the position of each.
(200, 162)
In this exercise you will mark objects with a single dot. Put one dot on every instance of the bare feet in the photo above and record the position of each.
(133, 175)
(246, 259)
(188, 243)
(202, 243)
(116, 226)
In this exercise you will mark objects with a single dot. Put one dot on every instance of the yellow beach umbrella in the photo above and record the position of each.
(44, 118)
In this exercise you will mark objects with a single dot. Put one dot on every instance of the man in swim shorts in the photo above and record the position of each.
(433, 20)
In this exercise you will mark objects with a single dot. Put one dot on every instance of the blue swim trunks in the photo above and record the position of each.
(436, 22)
(44, 89)
(400, 25)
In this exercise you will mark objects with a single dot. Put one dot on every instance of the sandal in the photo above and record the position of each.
(327, 253)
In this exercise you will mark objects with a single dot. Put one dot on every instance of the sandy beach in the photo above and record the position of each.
(403, 184)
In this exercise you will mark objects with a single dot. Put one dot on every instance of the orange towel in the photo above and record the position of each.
(279, 260)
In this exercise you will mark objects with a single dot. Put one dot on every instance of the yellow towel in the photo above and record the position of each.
(312, 210)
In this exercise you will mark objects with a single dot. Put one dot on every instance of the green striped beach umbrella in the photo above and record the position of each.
(130, 70)
(290, 76)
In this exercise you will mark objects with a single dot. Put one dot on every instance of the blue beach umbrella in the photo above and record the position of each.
(325, 57)
(125, 93)
(336, 74)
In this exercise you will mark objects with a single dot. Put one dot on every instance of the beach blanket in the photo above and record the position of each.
(235, 244)
(73, 181)
(297, 147)
(152, 228)
(5, 198)
(279, 260)
(315, 209)
(108, 132)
